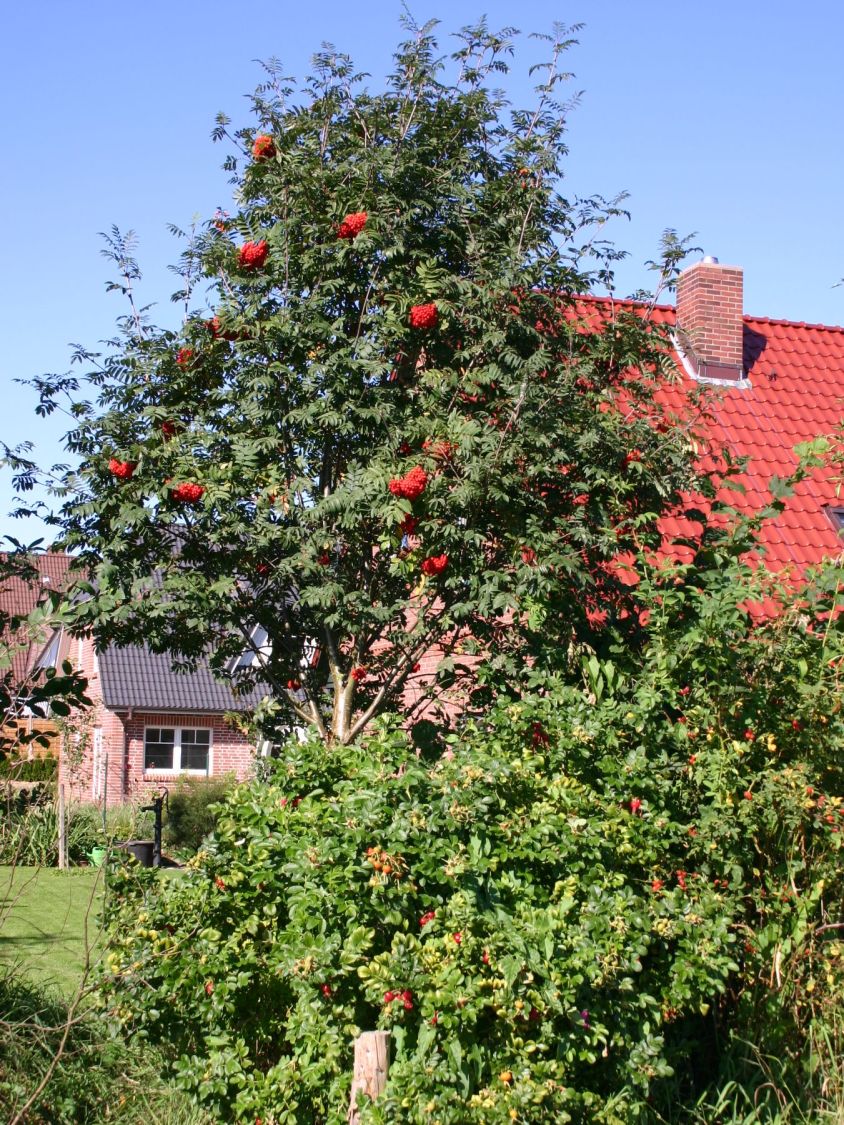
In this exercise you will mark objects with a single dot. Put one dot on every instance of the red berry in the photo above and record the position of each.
(411, 485)
(123, 470)
(426, 918)
(326, 990)
(434, 565)
(352, 225)
(209, 987)
(252, 255)
(263, 148)
(187, 493)
(184, 357)
(293, 685)
(457, 938)
(424, 316)
(359, 674)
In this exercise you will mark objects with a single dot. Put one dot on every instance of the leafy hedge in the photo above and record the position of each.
(552, 918)
(34, 769)
(192, 810)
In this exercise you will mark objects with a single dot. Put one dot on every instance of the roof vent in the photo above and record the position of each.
(709, 319)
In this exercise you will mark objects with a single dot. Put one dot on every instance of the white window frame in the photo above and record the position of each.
(177, 751)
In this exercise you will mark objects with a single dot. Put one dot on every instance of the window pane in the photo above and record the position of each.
(195, 744)
(158, 748)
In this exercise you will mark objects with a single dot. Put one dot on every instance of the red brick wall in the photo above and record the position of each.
(709, 312)
(231, 751)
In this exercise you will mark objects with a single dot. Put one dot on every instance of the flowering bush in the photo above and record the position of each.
(424, 316)
(352, 225)
(551, 917)
(252, 255)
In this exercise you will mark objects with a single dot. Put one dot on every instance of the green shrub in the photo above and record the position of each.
(29, 835)
(568, 902)
(97, 1078)
(34, 769)
(193, 811)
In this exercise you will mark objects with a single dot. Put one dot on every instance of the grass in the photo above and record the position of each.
(92, 1078)
(47, 917)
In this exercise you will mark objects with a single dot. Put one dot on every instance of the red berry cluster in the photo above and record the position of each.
(408, 525)
(184, 357)
(359, 674)
(434, 565)
(411, 485)
(123, 470)
(424, 316)
(440, 450)
(216, 329)
(188, 493)
(426, 918)
(263, 148)
(406, 997)
(352, 225)
(252, 255)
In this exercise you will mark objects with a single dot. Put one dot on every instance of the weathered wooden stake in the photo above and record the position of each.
(372, 1060)
(62, 831)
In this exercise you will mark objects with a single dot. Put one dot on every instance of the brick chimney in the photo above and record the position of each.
(709, 319)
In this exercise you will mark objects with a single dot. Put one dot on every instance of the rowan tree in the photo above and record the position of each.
(395, 425)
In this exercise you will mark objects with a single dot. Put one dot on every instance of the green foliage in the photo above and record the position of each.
(192, 810)
(29, 834)
(309, 385)
(623, 877)
(97, 1078)
(33, 769)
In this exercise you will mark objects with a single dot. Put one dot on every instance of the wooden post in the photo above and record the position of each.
(105, 795)
(372, 1059)
(62, 831)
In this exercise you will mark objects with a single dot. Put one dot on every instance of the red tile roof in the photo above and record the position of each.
(19, 596)
(793, 392)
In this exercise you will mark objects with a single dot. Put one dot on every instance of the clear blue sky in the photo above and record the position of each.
(722, 118)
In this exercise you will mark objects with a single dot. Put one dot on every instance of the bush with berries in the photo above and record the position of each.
(552, 911)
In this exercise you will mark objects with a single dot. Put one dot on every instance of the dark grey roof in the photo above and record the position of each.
(135, 677)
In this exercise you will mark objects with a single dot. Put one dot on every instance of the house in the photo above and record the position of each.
(773, 383)
(150, 726)
(30, 648)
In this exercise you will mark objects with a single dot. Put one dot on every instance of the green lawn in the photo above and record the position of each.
(43, 917)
